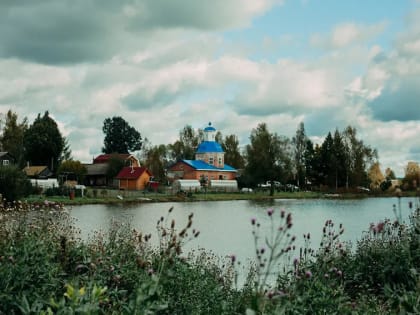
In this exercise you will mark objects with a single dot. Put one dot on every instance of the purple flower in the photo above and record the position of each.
(308, 274)
(270, 212)
(253, 221)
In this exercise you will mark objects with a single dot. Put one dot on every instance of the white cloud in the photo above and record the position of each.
(347, 34)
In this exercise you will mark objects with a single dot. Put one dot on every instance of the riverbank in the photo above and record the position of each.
(221, 196)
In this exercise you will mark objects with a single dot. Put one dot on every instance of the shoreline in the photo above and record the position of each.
(203, 197)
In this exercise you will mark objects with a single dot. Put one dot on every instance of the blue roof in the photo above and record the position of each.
(209, 128)
(209, 147)
(203, 166)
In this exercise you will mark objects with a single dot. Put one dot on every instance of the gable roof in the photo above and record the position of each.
(104, 158)
(37, 170)
(203, 166)
(129, 172)
(6, 154)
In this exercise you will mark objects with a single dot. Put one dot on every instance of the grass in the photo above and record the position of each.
(45, 268)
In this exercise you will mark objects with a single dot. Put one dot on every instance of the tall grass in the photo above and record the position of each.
(45, 268)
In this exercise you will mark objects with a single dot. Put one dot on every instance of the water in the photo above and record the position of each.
(225, 226)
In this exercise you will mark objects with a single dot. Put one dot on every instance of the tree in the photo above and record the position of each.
(267, 156)
(156, 161)
(300, 145)
(184, 148)
(75, 168)
(43, 143)
(12, 137)
(359, 157)
(412, 175)
(13, 183)
(389, 173)
(233, 156)
(120, 137)
(338, 160)
(375, 176)
(115, 165)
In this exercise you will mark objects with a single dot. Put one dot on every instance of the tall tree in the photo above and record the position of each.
(43, 142)
(267, 156)
(185, 147)
(120, 137)
(12, 137)
(326, 176)
(338, 160)
(412, 175)
(359, 158)
(300, 145)
(375, 176)
(233, 156)
(156, 161)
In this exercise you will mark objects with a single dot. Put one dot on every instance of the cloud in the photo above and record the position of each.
(347, 34)
(77, 31)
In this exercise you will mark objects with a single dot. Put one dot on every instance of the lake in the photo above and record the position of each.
(225, 226)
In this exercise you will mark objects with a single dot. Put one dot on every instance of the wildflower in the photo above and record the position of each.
(270, 212)
(150, 271)
(295, 261)
(253, 221)
(308, 274)
(233, 258)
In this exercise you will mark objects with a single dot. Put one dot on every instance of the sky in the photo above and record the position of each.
(164, 64)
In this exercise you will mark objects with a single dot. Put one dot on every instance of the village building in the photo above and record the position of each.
(134, 178)
(209, 165)
(6, 159)
(97, 170)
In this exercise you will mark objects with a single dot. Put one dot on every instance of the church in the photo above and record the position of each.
(209, 164)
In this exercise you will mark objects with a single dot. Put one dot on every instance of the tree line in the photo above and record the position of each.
(342, 160)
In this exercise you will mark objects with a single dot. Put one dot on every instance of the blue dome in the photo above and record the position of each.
(209, 147)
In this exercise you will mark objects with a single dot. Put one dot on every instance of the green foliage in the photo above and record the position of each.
(43, 142)
(13, 183)
(12, 137)
(120, 137)
(185, 147)
(233, 156)
(268, 156)
(73, 168)
(115, 165)
(46, 269)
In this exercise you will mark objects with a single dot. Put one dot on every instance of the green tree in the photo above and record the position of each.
(233, 156)
(43, 142)
(412, 175)
(268, 157)
(337, 167)
(75, 168)
(115, 165)
(300, 145)
(12, 137)
(13, 183)
(156, 161)
(185, 147)
(120, 137)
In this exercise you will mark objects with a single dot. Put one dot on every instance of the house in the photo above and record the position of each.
(6, 159)
(39, 172)
(96, 174)
(130, 159)
(208, 165)
(133, 178)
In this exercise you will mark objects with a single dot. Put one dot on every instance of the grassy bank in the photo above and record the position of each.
(140, 197)
(45, 268)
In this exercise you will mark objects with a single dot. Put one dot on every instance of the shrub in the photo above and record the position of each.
(13, 183)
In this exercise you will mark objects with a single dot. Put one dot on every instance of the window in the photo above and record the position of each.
(220, 161)
(211, 161)
(5, 162)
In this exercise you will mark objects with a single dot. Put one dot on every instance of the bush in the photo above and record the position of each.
(13, 183)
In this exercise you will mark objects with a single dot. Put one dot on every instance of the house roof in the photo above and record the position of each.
(96, 169)
(209, 147)
(203, 166)
(5, 154)
(36, 170)
(129, 172)
(104, 158)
